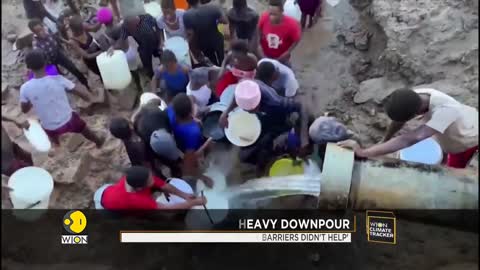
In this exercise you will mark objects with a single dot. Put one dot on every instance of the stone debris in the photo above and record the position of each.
(376, 89)
(74, 142)
(74, 166)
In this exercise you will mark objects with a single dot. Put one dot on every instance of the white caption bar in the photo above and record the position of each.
(231, 237)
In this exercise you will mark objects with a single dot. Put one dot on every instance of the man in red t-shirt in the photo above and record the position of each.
(279, 34)
(135, 191)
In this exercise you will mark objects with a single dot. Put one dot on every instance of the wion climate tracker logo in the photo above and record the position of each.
(74, 223)
(381, 227)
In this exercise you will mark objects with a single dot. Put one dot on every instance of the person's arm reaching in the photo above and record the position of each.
(82, 52)
(403, 141)
(204, 146)
(304, 137)
(223, 68)
(170, 189)
(392, 129)
(184, 205)
(223, 120)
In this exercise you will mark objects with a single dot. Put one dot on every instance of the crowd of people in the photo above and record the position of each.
(166, 130)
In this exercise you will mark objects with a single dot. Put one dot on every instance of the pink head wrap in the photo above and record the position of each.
(104, 15)
(247, 95)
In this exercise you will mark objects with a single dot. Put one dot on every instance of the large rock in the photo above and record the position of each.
(430, 40)
(376, 89)
(67, 168)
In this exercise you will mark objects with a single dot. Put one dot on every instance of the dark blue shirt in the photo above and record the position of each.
(176, 83)
(187, 135)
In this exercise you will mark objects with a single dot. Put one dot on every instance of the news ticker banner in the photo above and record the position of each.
(257, 230)
(380, 228)
(87, 227)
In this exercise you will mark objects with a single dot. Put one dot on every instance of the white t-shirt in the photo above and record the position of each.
(286, 79)
(457, 123)
(49, 100)
(180, 32)
(202, 96)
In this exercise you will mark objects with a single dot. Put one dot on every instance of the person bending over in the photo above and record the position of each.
(145, 31)
(201, 25)
(238, 65)
(453, 124)
(112, 35)
(135, 191)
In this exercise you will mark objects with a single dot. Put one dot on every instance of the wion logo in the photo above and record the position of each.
(74, 223)
(381, 227)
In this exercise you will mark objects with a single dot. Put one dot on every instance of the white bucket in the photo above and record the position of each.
(179, 46)
(32, 187)
(174, 199)
(292, 9)
(243, 129)
(37, 136)
(153, 9)
(427, 151)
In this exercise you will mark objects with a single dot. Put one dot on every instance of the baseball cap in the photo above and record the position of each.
(247, 95)
(163, 144)
(327, 129)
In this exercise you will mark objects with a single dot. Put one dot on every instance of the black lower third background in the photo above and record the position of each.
(424, 240)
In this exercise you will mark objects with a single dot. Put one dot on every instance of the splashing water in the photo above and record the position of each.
(261, 189)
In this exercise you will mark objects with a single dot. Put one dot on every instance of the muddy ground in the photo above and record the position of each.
(358, 53)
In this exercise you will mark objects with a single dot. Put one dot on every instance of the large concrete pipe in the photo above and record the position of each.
(393, 184)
